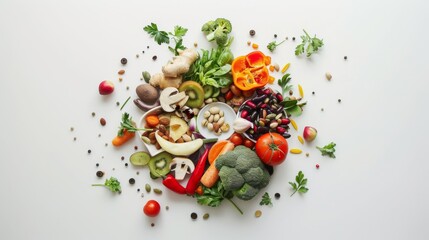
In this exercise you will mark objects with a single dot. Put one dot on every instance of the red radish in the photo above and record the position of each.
(106, 87)
(309, 134)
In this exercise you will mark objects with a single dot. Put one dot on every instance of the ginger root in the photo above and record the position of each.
(171, 75)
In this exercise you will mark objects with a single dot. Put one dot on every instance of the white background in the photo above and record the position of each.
(53, 54)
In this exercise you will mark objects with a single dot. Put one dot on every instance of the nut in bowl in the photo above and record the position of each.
(146, 139)
(215, 121)
(266, 113)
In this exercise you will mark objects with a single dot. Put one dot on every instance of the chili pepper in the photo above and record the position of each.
(250, 71)
(171, 183)
(198, 172)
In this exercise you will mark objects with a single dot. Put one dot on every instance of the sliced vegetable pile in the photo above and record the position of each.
(210, 170)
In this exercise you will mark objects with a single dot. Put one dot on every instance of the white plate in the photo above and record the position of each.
(142, 122)
(229, 115)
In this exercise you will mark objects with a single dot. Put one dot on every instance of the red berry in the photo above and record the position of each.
(317, 166)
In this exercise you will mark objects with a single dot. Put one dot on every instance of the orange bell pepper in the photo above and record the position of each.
(250, 71)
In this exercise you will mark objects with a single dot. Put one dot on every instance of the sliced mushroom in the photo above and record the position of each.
(181, 166)
(169, 97)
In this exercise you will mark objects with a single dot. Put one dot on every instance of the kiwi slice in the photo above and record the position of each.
(208, 91)
(216, 92)
(195, 93)
(140, 158)
(159, 165)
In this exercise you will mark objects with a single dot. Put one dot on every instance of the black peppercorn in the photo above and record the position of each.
(252, 32)
(313, 93)
(194, 215)
(89, 151)
(275, 35)
(99, 174)
(132, 181)
(124, 61)
(126, 164)
(277, 195)
(345, 57)
(154, 57)
(97, 164)
(339, 100)
(293, 39)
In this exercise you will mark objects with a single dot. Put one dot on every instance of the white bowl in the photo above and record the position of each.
(141, 124)
(229, 115)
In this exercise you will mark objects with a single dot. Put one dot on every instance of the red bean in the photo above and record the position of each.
(244, 114)
(251, 104)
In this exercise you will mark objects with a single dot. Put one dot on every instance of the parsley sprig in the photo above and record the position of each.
(273, 45)
(214, 196)
(112, 184)
(328, 150)
(291, 106)
(266, 200)
(128, 125)
(165, 37)
(313, 44)
(299, 185)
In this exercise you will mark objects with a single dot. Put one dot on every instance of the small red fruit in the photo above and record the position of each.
(106, 87)
(309, 133)
(151, 208)
(317, 166)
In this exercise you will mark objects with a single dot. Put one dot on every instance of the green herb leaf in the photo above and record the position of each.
(328, 150)
(128, 124)
(313, 44)
(112, 184)
(214, 196)
(266, 200)
(159, 36)
(180, 31)
(273, 45)
(299, 185)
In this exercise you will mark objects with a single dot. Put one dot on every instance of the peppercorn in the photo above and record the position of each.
(194, 215)
(345, 57)
(126, 164)
(252, 32)
(154, 57)
(136, 147)
(74, 139)
(99, 174)
(277, 195)
(138, 189)
(97, 164)
(122, 158)
(93, 114)
(275, 35)
(313, 93)
(339, 100)
(293, 38)
(117, 103)
(147, 47)
(152, 224)
(132, 181)
(71, 129)
(89, 151)
(124, 61)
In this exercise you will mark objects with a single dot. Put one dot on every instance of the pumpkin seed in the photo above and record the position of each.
(295, 151)
(147, 187)
(328, 76)
(294, 125)
(157, 191)
(301, 140)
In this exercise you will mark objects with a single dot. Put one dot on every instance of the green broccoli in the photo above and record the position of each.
(231, 179)
(242, 172)
(217, 30)
(246, 192)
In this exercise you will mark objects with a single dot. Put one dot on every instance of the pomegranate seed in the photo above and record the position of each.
(317, 166)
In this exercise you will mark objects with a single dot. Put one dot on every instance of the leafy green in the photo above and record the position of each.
(128, 124)
(218, 31)
(273, 45)
(112, 184)
(313, 44)
(214, 196)
(159, 36)
(266, 200)
(299, 185)
(328, 150)
(291, 106)
(164, 37)
(283, 83)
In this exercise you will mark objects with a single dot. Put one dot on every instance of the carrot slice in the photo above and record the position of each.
(216, 149)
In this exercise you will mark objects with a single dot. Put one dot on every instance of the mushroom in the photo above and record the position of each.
(170, 96)
(181, 166)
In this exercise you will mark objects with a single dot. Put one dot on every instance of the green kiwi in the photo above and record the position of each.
(216, 92)
(159, 165)
(195, 93)
(208, 91)
(140, 158)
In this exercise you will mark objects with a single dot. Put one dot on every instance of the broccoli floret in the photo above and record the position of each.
(257, 177)
(246, 192)
(217, 30)
(247, 160)
(231, 178)
(228, 159)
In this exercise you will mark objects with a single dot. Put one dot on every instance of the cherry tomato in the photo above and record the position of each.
(151, 208)
(272, 148)
(236, 139)
(248, 143)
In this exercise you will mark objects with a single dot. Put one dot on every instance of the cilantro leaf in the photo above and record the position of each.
(159, 36)
(179, 31)
(313, 44)
(266, 200)
(299, 185)
(328, 150)
(112, 184)
(273, 45)
(214, 196)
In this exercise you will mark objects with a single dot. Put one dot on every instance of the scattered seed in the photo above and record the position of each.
(277, 195)
(154, 57)
(106, 144)
(206, 216)
(295, 151)
(152, 224)
(128, 88)
(124, 61)
(255, 46)
(339, 100)
(275, 35)
(117, 103)
(126, 164)
(307, 154)
(74, 139)
(121, 72)
(286, 67)
(147, 187)
(258, 213)
(167, 208)
(313, 93)
(93, 114)
(89, 151)
(317, 166)
(194, 216)
(135, 147)
(290, 92)
(99, 135)
(293, 38)
(99, 174)
(248, 43)
(328, 76)
(120, 79)
(294, 125)
(137, 172)
(252, 32)
(322, 109)
(146, 76)
(195, 44)
(143, 52)
(138, 189)
(71, 129)
(137, 55)
(122, 158)
(102, 121)
(301, 91)
(157, 191)
(301, 140)
(142, 195)
(132, 181)
(147, 47)
(345, 57)
(97, 164)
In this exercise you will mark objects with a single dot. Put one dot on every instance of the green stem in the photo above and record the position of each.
(306, 34)
(100, 185)
(123, 105)
(235, 205)
(294, 193)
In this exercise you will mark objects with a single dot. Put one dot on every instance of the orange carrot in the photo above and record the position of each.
(119, 140)
(152, 121)
(216, 149)
(199, 190)
(211, 175)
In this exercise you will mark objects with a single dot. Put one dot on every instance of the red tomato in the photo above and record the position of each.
(236, 139)
(272, 148)
(248, 143)
(152, 208)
